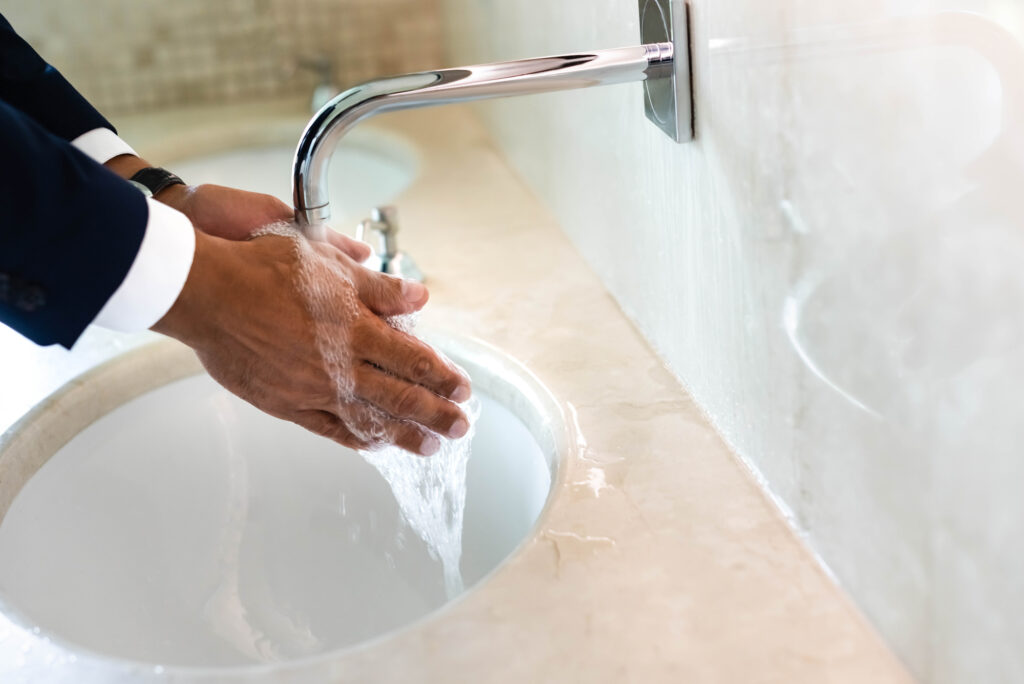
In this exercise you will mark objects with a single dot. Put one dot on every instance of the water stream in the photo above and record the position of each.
(431, 494)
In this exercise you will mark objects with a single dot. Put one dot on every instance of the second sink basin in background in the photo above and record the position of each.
(367, 170)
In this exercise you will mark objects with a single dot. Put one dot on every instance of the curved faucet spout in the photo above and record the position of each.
(446, 86)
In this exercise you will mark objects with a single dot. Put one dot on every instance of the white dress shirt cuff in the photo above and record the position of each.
(102, 144)
(157, 275)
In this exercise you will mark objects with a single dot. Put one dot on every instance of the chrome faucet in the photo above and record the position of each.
(384, 222)
(662, 62)
(325, 90)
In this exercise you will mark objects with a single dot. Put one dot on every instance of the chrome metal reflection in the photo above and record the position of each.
(446, 86)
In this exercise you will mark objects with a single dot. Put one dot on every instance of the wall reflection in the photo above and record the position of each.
(906, 310)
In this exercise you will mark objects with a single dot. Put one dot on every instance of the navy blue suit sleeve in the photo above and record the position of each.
(69, 228)
(69, 232)
(28, 83)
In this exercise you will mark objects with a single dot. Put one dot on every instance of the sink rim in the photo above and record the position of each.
(28, 444)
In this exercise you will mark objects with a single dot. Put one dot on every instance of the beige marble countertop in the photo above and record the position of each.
(660, 559)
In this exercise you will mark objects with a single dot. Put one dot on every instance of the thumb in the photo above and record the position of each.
(387, 295)
(356, 250)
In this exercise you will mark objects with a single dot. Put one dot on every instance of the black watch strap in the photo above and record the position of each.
(156, 179)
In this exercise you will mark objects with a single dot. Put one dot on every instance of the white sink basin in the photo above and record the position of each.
(184, 528)
(367, 170)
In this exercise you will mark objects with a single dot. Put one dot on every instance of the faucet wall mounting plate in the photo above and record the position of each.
(668, 95)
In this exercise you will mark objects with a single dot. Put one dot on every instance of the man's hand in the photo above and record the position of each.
(295, 328)
(235, 214)
(225, 212)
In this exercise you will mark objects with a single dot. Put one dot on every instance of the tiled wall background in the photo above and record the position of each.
(135, 55)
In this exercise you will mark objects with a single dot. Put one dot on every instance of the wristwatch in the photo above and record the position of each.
(152, 180)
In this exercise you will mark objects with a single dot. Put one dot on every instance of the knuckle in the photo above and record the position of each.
(407, 401)
(362, 330)
(409, 437)
(375, 283)
(387, 282)
(386, 289)
(361, 385)
(370, 285)
(421, 368)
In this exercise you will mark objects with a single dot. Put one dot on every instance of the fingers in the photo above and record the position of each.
(404, 435)
(378, 428)
(383, 294)
(413, 438)
(387, 295)
(328, 425)
(354, 249)
(410, 402)
(275, 209)
(411, 360)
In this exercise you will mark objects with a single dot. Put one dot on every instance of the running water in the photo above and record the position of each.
(430, 492)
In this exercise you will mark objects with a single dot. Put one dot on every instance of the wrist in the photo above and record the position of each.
(192, 316)
(175, 196)
(126, 165)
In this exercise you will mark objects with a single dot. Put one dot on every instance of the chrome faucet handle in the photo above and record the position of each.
(319, 64)
(384, 221)
(325, 89)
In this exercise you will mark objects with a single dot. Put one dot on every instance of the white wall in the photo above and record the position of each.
(835, 270)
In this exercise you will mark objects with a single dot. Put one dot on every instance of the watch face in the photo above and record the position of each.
(141, 188)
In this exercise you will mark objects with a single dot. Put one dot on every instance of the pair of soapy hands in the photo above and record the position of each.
(245, 312)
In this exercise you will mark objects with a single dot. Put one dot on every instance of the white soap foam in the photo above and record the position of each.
(333, 305)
